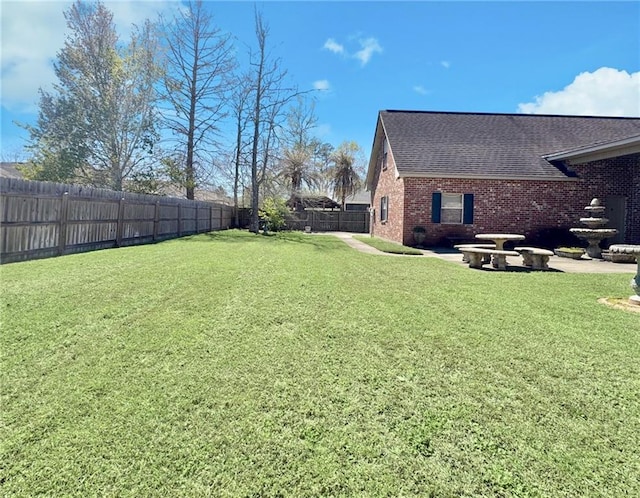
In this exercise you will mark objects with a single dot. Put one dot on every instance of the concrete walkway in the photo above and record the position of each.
(556, 263)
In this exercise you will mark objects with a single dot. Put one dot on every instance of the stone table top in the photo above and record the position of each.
(502, 236)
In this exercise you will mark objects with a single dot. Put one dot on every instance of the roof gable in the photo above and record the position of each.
(476, 145)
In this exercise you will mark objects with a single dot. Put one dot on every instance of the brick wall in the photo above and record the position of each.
(515, 206)
(511, 206)
(619, 176)
(388, 185)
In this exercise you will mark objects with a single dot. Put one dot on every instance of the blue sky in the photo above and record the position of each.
(537, 57)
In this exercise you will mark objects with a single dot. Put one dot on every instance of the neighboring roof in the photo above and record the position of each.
(598, 152)
(360, 197)
(312, 202)
(480, 145)
(10, 170)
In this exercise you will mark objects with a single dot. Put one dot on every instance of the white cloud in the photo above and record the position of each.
(334, 46)
(420, 89)
(445, 64)
(33, 32)
(369, 46)
(605, 92)
(322, 85)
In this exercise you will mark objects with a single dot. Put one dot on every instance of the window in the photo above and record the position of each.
(385, 151)
(384, 209)
(452, 208)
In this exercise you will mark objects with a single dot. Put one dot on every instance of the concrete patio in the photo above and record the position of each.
(454, 256)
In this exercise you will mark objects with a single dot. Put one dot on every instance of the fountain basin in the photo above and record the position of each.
(595, 209)
(594, 222)
(593, 233)
(593, 236)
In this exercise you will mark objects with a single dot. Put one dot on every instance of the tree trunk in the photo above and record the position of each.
(255, 186)
(189, 172)
(236, 178)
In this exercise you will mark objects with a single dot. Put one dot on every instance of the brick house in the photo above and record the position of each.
(459, 174)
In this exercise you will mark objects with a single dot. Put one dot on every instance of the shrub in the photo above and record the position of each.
(552, 237)
(272, 214)
(573, 250)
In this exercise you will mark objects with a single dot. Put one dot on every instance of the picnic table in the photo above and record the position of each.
(499, 238)
(499, 256)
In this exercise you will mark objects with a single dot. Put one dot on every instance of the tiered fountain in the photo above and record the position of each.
(594, 232)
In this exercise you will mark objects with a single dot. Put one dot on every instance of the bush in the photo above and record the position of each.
(272, 214)
(552, 237)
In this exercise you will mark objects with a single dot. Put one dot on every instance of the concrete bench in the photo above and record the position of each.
(476, 256)
(535, 257)
(465, 257)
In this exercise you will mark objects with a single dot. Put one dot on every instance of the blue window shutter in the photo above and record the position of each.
(467, 213)
(436, 205)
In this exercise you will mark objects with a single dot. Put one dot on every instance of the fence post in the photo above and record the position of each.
(120, 228)
(179, 219)
(62, 229)
(211, 217)
(197, 219)
(156, 221)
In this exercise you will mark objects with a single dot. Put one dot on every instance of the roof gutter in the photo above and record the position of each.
(599, 152)
(489, 177)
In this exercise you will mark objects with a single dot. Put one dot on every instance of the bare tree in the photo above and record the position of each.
(301, 121)
(297, 166)
(239, 108)
(269, 98)
(322, 158)
(198, 64)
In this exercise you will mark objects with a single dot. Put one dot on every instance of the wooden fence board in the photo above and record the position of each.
(42, 219)
(328, 221)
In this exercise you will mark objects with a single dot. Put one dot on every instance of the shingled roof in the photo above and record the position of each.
(479, 145)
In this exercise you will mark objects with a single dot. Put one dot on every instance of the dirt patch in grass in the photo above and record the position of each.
(620, 303)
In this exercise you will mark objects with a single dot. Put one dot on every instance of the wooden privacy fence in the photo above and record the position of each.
(42, 219)
(329, 221)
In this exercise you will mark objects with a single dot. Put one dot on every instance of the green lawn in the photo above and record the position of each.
(230, 364)
(386, 246)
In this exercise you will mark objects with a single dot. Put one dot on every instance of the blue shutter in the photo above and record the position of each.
(467, 210)
(436, 205)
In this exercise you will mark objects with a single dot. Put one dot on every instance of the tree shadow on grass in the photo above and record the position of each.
(517, 269)
(236, 236)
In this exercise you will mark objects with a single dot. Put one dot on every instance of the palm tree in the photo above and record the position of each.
(296, 168)
(345, 178)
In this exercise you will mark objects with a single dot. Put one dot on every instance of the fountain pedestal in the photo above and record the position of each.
(594, 233)
(635, 282)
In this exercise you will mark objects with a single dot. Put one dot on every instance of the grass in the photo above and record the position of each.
(386, 246)
(229, 364)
